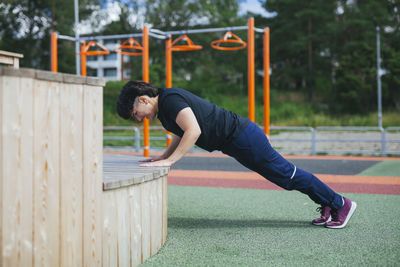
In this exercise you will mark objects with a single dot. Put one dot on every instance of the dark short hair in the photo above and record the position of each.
(128, 94)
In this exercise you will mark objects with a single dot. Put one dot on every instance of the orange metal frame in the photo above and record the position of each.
(145, 71)
(225, 40)
(266, 82)
(251, 69)
(85, 49)
(53, 52)
(170, 46)
(190, 46)
(131, 44)
(85, 52)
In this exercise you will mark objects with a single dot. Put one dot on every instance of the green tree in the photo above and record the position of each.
(354, 48)
(25, 27)
(299, 50)
(329, 48)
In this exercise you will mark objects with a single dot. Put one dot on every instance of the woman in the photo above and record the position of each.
(194, 120)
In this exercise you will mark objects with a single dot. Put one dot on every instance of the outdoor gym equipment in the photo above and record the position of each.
(225, 40)
(190, 46)
(228, 39)
(132, 45)
(85, 52)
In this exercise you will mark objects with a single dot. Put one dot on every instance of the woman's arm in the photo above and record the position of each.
(188, 123)
(172, 146)
(167, 152)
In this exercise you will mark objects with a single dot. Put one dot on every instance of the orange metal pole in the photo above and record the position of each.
(145, 70)
(250, 66)
(168, 73)
(266, 82)
(53, 44)
(83, 59)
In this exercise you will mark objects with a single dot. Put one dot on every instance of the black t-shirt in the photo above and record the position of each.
(218, 126)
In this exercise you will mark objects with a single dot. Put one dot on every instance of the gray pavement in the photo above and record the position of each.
(320, 166)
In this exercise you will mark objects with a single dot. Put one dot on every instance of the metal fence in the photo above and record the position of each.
(306, 140)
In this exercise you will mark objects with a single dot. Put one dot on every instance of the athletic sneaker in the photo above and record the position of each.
(325, 216)
(342, 216)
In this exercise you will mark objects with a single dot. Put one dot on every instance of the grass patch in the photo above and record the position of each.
(245, 227)
(383, 168)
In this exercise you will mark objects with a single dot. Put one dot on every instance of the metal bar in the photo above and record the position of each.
(119, 128)
(383, 144)
(158, 36)
(108, 37)
(350, 151)
(137, 139)
(77, 45)
(156, 33)
(234, 28)
(266, 82)
(351, 140)
(289, 150)
(378, 75)
(53, 45)
(153, 128)
(83, 60)
(289, 140)
(251, 69)
(168, 75)
(118, 137)
(395, 128)
(146, 78)
(290, 128)
(347, 128)
(66, 37)
(313, 142)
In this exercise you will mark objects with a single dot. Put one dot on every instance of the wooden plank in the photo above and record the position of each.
(153, 217)
(92, 170)
(46, 173)
(165, 208)
(146, 238)
(11, 54)
(1, 170)
(123, 229)
(110, 249)
(135, 213)
(71, 174)
(157, 218)
(17, 171)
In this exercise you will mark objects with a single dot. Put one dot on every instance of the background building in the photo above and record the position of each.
(109, 66)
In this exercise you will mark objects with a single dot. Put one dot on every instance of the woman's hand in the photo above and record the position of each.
(159, 163)
(158, 158)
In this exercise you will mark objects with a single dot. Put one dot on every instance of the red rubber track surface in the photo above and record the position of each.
(339, 183)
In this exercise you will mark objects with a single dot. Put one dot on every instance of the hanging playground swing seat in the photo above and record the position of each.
(85, 49)
(190, 46)
(225, 40)
(132, 45)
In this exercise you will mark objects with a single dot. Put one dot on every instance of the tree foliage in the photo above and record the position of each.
(325, 50)
(329, 48)
(25, 27)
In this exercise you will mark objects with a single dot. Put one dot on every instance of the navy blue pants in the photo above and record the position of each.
(253, 150)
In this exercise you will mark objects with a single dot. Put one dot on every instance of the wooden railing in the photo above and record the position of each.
(53, 209)
(135, 210)
(9, 58)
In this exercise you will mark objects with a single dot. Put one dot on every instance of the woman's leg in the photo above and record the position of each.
(253, 150)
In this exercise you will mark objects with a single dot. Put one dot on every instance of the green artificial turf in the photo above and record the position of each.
(383, 168)
(247, 227)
